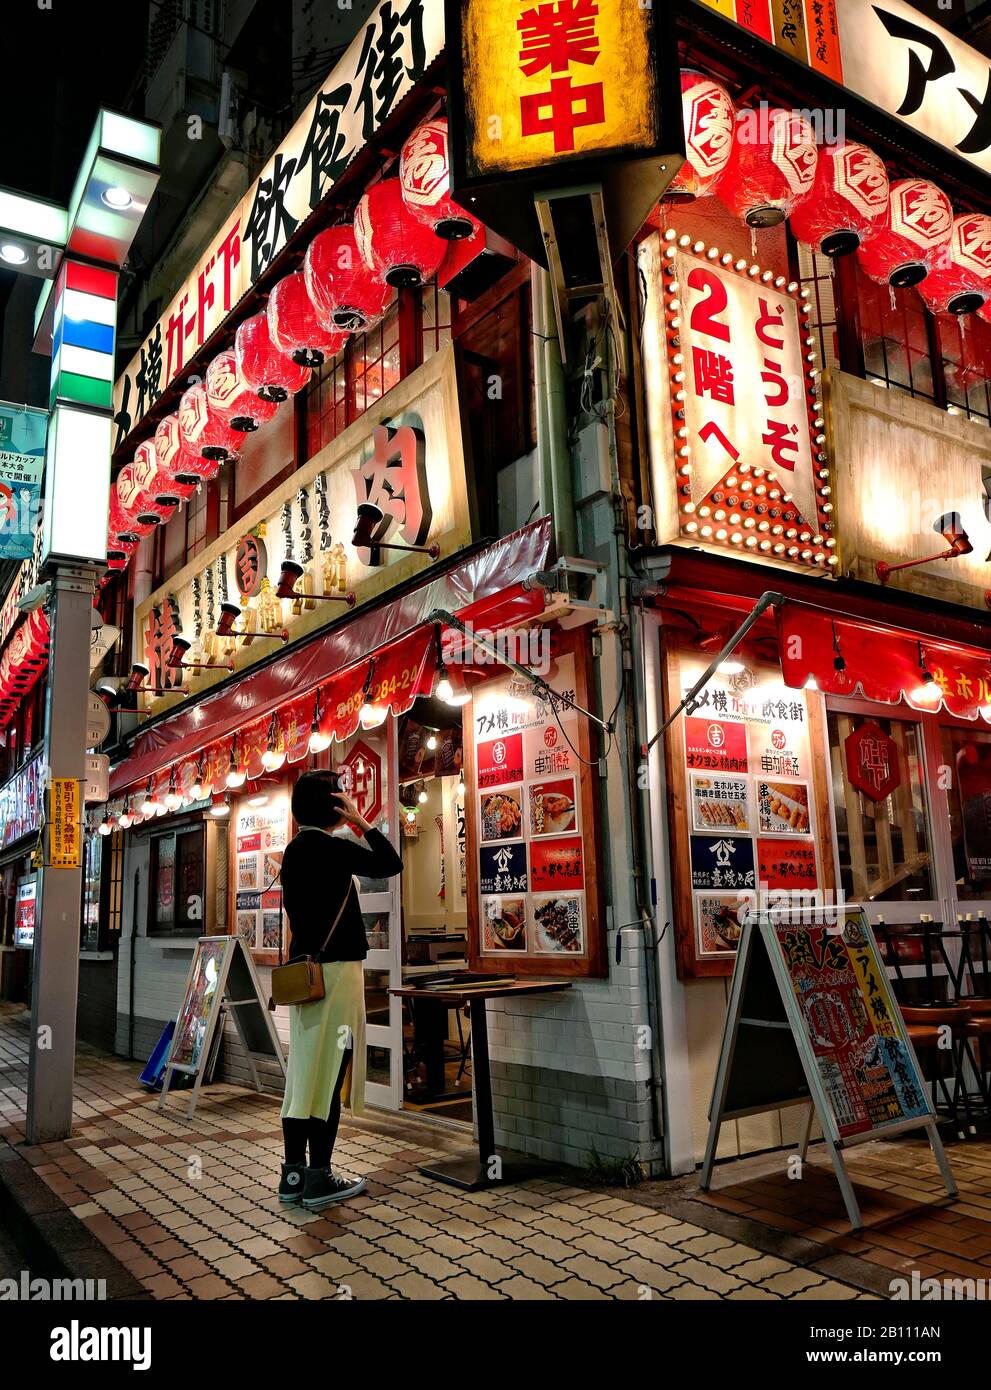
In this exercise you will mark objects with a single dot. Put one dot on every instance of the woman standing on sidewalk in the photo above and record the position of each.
(327, 1036)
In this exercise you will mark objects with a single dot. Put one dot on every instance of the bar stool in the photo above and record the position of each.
(976, 970)
(929, 1006)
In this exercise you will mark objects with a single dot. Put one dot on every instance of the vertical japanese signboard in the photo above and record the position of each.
(744, 439)
(533, 880)
(64, 833)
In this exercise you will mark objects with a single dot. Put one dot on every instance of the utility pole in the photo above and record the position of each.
(79, 252)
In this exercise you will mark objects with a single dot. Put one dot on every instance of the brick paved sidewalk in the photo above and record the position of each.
(189, 1209)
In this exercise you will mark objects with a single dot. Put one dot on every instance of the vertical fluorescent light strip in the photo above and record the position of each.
(77, 489)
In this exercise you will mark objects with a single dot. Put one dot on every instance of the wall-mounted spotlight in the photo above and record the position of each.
(177, 662)
(286, 588)
(370, 519)
(951, 528)
(140, 673)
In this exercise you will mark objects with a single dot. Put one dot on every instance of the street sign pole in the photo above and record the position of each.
(55, 983)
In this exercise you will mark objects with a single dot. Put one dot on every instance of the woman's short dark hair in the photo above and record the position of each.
(314, 799)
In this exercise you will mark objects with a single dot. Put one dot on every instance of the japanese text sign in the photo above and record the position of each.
(892, 55)
(388, 56)
(64, 833)
(747, 404)
(550, 81)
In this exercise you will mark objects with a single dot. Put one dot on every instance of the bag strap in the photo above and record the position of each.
(340, 913)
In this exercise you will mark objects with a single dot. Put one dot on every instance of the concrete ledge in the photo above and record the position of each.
(56, 1244)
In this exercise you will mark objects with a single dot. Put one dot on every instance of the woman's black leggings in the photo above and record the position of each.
(321, 1135)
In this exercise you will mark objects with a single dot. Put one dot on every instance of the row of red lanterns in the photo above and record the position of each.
(400, 235)
(765, 165)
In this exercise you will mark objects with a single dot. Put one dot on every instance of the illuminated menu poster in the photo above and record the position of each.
(855, 1031)
(262, 836)
(27, 904)
(750, 819)
(531, 843)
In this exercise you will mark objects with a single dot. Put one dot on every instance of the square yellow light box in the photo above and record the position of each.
(543, 86)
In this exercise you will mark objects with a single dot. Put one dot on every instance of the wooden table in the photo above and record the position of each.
(469, 1172)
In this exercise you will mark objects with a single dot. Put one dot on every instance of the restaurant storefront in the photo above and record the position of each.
(817, 440)
(374, 549)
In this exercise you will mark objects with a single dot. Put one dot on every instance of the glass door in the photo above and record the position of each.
(884, 842)
(962, 793)
(366, 767)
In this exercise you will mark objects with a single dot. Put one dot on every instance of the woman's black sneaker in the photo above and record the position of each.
(322, 1186)
(291, 1186)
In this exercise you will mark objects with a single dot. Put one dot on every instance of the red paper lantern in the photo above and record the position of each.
(394, 245)
(230, 397)
(848, 199)
(176, 458)
(295, 327)
(425, 176)
(907, 240)
(139, 520)
(344, 292)
(120, 524)
(204, 431)
(260, 363)
(771, 168)
(708, 117)
(158, 492)
(119, 553)
(960, 282)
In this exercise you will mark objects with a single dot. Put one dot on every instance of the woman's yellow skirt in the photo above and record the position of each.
(319, 1035)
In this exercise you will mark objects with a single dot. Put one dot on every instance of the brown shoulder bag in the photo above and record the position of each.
(300, 981)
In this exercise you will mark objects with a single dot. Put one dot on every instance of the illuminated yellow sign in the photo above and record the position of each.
(63, 824)
(549, 82)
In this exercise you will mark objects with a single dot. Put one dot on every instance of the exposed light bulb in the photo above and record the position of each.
(445, 690)
(318, 741)
(236, 777)
(220, 808)
(432, 742)
(272, 759)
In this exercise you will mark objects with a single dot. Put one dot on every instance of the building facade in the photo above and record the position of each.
(762, 382)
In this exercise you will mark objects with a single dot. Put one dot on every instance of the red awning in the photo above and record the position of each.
(24, 659)
(485, 590)
(882, 663)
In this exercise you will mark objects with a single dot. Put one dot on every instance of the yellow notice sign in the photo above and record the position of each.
(549, 82)
(64, 834)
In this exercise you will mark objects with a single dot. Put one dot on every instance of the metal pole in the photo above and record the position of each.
(51, 1060)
